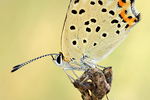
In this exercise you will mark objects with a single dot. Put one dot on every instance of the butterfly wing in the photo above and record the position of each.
(96, 27)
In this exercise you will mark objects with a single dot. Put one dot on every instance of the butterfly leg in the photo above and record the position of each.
(69, 76)
(76, 67)
(75, 74)
(85, 79)
(100, 66)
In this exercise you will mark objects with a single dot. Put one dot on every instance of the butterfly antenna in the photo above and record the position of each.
(25, 63)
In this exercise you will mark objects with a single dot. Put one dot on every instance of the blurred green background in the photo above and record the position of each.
(30, 28)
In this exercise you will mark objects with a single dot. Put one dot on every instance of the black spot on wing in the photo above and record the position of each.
(120, 16)
(74, 11)
(76, 1)
(97, 29)
(118, 25)
(111, 12)
(132, 1)
(84, 41)
(124, 1)
(88, 29)
(125, 11)
(130, 17)
(81, 11)
(100, 2)
(86, 23)
(72, 27)
(94, 44)
(104, 34)
(74, 42)
(117, 31)
(123, 21)
(104, 10)
(92, 3)
(114, 21)
(127, 26)
(93, 20)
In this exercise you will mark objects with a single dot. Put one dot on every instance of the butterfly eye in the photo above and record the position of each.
(58, 59)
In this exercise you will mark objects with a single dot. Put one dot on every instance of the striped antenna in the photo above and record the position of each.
(25, 63)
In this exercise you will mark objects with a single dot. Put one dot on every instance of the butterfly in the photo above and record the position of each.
(91, 31)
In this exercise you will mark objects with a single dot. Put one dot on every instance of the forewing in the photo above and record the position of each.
(96, 27)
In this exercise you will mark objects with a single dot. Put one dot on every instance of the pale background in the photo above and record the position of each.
(30, 28)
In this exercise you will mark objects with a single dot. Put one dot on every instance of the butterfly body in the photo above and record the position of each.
(73, 64)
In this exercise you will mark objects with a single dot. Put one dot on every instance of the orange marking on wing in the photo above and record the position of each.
(131, 22)
(121, 4)
(124, 16)
(127, 19)
(123, 13)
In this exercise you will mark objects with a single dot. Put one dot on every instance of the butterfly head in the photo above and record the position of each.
(58, 59)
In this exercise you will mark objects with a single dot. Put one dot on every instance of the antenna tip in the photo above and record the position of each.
(15, 68)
